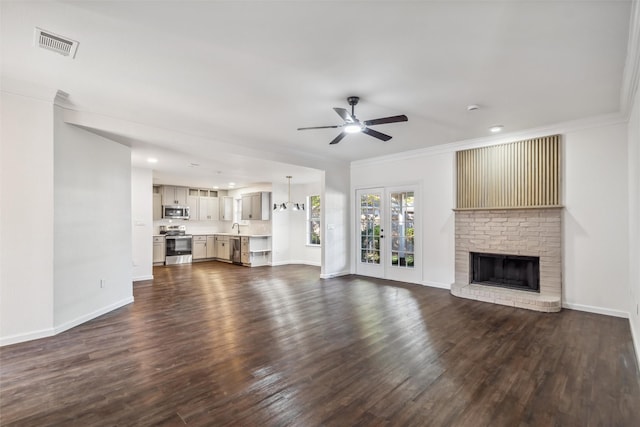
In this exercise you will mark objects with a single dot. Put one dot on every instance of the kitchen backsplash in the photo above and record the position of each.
(212, 227)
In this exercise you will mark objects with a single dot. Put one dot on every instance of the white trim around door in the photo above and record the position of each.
(388, 233)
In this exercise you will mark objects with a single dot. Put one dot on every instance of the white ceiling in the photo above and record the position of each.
(194, 76)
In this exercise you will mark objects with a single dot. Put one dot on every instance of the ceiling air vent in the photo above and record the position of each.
(50, 41)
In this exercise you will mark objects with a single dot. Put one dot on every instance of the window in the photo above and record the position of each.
(313, 220)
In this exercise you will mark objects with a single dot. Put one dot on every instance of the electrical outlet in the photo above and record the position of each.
(103, 283)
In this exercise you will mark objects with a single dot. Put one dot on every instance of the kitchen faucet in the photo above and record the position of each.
(234, 226)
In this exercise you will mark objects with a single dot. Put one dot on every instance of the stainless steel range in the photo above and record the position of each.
(178, 245)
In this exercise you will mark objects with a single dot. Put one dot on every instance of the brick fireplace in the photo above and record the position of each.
(520, 232)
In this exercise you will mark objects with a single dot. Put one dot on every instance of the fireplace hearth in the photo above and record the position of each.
(521, 237)
(507, 271)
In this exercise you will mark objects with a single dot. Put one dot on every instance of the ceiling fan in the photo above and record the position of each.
(353, 125)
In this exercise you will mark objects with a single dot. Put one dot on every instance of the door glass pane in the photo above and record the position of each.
(402, 214)
(370, 228)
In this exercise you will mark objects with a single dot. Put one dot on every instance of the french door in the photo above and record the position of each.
(388, 243)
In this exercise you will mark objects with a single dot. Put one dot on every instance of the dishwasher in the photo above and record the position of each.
(236, 256)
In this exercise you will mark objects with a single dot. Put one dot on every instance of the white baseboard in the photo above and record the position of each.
(337, 274)
(636, 341)
(436, 284)
(596, 310)
(29, 336)
(312, 263)
(141, 278)
(278, 263)
(89, 316)
(44, 333)
(296, 262)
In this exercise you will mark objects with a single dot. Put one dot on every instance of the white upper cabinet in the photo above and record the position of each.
(209, 209)
(226, 208)
(193, 201)
(174, 195)
(256, 206)
(157, 203)
(203, 205)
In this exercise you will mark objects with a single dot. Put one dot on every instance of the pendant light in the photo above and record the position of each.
(288, 204)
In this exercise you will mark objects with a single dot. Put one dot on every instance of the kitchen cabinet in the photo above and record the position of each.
(256, 206)
(199, 248)
(157, 206)
(223, 251)
(174, 195)
(244, 250)
(226, 208)
(203, 205)
(159, 248)
(255, 250)
(211, 246)
(193, 198)
(209, 209)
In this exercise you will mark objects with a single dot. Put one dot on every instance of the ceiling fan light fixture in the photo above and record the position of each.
(354, 128)
(353, 125)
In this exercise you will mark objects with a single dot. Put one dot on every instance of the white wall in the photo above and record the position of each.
(142, 225)
(596, 260)
(300, 251)
(92, 223)
(26, 218)
(336, 228)
(280, 251)
(633, 149)
(289, 227)
(434, 174)
(595, 220)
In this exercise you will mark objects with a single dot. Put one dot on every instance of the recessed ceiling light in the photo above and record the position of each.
(152, 160)
(231, 184)
(473, 107)
(215, 187)
(496, 128)
(193, 165)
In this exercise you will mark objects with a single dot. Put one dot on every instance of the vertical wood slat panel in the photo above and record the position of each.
(518, 174)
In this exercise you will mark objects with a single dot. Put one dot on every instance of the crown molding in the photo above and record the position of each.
(559, 128)
(27, 89)
(631, 72)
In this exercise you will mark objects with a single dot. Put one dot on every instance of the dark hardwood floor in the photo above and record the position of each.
(218, 344)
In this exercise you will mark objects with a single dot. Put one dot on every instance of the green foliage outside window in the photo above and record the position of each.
(313, 229)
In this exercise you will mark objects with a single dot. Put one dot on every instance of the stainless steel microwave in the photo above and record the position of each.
(175, 212)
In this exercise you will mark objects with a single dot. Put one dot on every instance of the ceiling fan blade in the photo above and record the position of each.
(392, 119)
(321, 127)
(338, 138)
(345, 115)
(376, 134)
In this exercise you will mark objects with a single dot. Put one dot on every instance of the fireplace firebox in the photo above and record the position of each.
(508, 271)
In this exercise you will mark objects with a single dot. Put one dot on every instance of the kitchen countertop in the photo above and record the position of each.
(223, 234)
(236, 234)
